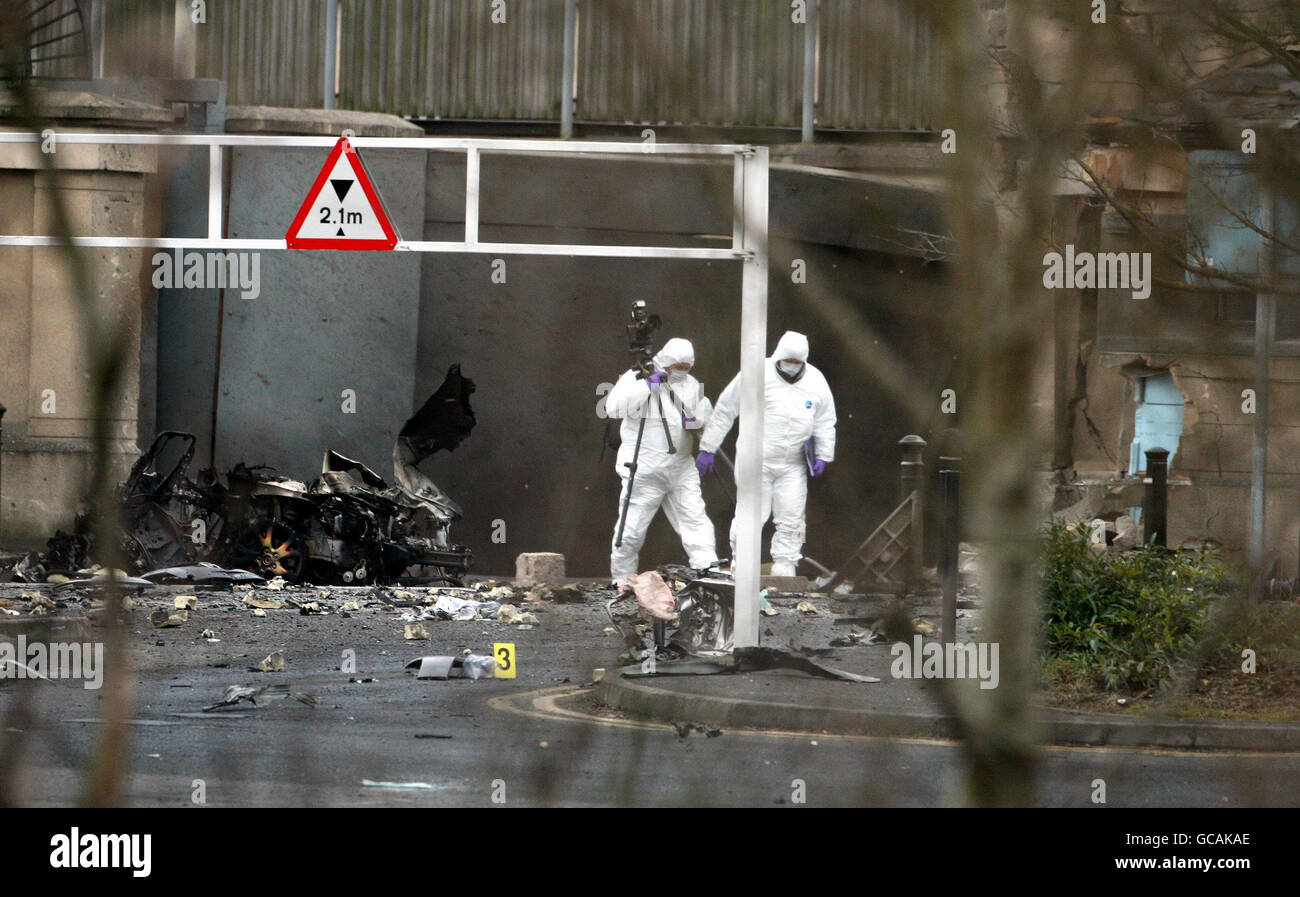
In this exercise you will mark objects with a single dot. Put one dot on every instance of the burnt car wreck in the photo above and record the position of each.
(348, 526)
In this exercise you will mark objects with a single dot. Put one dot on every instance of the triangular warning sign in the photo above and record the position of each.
(341, 217)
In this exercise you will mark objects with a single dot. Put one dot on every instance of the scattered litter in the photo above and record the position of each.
(350, 605)
(363, 679)
(185, 602)
(924, 627)
(257, 695)
(277, 584)
(400, 786)
(806, 607)
(38, 603)
(508, 613)
(415, 631)
(258, 612)
(101, 580)
(597, 674)
(262, 603)
(609, 630)
(469, 666)
(207, 633)
(161, 619)
(202, 572)
(311, 609)
(685, 729)
(402, 595)
(765, 607)
(479, 666)
(272, 663)
(438, 667)
(652, 594)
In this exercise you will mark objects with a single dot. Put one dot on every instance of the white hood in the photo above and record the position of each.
(675, 351)
(791, 345)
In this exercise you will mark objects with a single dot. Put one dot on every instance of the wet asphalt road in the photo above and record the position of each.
(536, 740)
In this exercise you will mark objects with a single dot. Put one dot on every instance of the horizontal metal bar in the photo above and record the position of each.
(663, 252)
(636, 252)
(487, 145)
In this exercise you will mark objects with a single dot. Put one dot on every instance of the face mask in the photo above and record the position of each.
(790, 370)
(676, 376)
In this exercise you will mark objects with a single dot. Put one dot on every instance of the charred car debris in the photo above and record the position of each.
(348, 526)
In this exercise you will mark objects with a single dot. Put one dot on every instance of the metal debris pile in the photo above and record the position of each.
(348, 526)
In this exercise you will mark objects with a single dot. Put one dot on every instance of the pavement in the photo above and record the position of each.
(893, 707)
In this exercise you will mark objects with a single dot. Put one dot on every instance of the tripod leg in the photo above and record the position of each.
(631, 480)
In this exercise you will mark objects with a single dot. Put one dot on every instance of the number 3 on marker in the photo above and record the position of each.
(504, 652)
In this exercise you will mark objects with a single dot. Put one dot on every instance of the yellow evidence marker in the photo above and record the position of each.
(504, 652)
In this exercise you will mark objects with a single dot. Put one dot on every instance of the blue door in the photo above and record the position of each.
(1159, 419)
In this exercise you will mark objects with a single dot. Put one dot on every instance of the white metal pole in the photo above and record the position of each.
(214, 192)
(330, 51)
(566, 69)
(184, 41)
(753, 352)
(471, 195)
(809, 70)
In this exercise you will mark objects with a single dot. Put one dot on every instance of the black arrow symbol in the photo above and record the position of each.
(341, 186)
(340, 233)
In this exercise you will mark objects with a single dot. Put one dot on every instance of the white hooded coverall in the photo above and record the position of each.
(670, 480)
(794, 413)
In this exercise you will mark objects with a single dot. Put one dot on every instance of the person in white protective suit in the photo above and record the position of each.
(799, 408)
(663, 478)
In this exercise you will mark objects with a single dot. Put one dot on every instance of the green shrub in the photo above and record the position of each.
(1129, 617)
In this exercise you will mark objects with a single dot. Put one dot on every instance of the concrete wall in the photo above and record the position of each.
(45, 369)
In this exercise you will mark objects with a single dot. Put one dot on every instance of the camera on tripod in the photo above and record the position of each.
(639, 335)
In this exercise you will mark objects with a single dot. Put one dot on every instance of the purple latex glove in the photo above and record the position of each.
(704, 461)
(653, 381)
(819, 467)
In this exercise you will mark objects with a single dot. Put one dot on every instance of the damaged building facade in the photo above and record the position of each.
(1176, 368)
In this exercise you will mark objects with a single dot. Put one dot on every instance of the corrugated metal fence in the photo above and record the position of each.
(738, 62)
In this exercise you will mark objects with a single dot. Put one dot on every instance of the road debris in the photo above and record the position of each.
(272, 663)
(653, 594)
(163, 619)
(259, 695)
(508, 613)
(685, 729)
(398, 786)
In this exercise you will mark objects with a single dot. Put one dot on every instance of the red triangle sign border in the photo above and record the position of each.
(390, 239)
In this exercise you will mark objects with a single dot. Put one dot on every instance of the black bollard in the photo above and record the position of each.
(949, 546)
(1155, 509)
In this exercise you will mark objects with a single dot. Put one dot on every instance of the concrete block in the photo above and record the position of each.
(533, 567)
